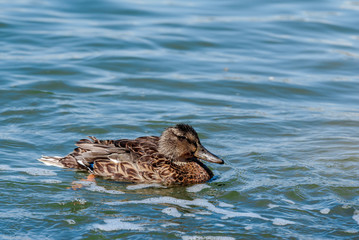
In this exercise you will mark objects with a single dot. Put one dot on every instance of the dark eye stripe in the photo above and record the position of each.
(188, 140)
(181, 137)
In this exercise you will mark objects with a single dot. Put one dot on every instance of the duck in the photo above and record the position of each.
(173, 158)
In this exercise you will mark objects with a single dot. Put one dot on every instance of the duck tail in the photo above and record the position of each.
(52, 161)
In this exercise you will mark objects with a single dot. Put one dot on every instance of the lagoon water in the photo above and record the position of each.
(272, 87)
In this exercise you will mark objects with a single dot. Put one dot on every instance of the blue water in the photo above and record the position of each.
(270, 86)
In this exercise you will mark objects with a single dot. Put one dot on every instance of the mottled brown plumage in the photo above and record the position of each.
(172, 158)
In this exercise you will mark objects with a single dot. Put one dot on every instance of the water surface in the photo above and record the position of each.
(271, 87)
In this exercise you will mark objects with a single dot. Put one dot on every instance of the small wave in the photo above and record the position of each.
(204, 213)
(248, 227)
(51, 181)
(282, 222)
(189, 215)
(30, 171)
(197, 188)
(17, 213)
(117, 224)
(38, 172)
(270, 205)
(70, 221)
(91, 186)
(223, 204)
(169, 224)
(288, 201)
(356, 216)
(5, 168)
(22, 236)
(171, 211)
(325, 211)
(188, 203)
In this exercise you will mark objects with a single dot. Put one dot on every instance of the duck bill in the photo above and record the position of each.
(204, 154)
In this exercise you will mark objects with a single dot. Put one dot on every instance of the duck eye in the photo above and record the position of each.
(181, 138)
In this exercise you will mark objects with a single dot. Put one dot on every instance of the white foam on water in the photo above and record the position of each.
(197, 188)
(189, 215)
(270, 206)
(117, 224)
(51, 181)
(207, 238)
(38, 172)
(281, 222)
(16, 178)
(352, 231)
(170, 224)
(222, 204)
(17, 213)
(96, 188)
(248, 227)
(142, 186)
(288, 201)
(5, 168)
(80, 201)
(204, 213)
(30, 171)
(70, 221)
(196, 202)
(91, 186)
(219, 225)
(325, 211)
(356, 216)
(6, 237)
(172, 212)
(13, 177)
(20, 236)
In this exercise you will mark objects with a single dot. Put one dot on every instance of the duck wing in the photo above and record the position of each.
(121, 160)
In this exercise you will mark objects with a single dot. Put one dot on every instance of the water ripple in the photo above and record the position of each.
(271, 87)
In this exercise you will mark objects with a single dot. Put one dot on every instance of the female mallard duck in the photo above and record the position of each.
(172, 158)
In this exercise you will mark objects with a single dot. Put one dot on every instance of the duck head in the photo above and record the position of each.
(181, 142)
